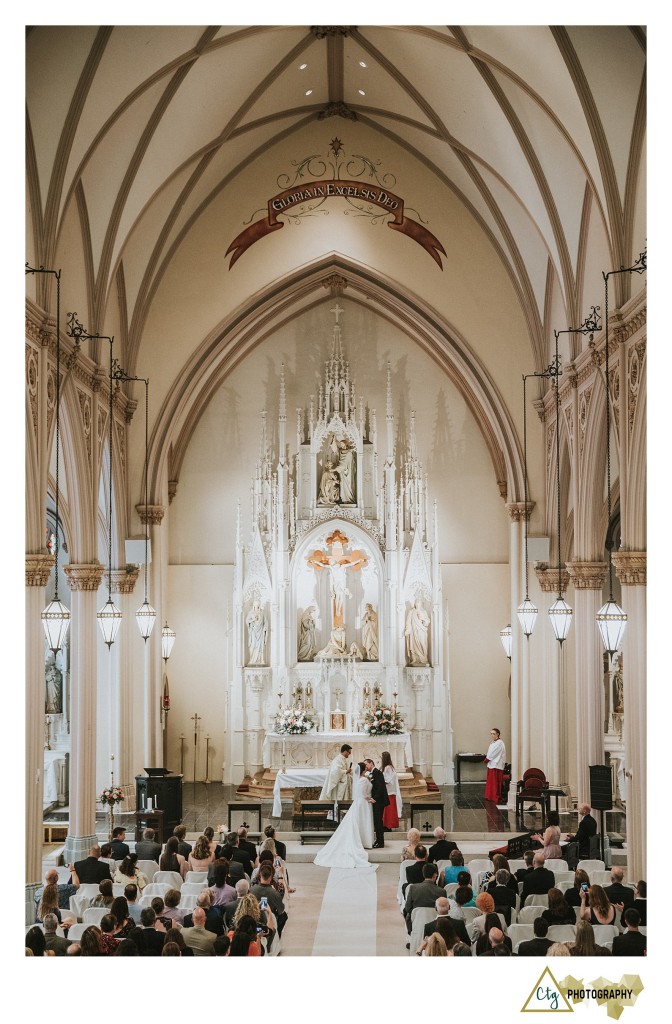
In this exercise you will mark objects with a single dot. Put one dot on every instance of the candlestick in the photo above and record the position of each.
(181, 753)
(207, 758)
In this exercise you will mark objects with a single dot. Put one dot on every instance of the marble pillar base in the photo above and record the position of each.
(30, 891)
(77, 847)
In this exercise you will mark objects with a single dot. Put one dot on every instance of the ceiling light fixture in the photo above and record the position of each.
(302, 67)
(361, 92)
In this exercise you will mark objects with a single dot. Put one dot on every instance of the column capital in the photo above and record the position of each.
(38, 569)
(123, 580)
(630, 567)
(84, 576)
(519, 512)
(588, 575)
(150, 514)
(547, 577)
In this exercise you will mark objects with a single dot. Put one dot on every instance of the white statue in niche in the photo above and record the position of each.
(330, 490)
(337, 483)
(416, 633)
(370, 633)
(54, 687)
(346, 472)
(257, 631)
(307, 641)
(336, 647)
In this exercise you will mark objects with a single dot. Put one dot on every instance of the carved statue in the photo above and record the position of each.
(330, 490)
(54, 688)
(337, 563)
(336, 647)
(346, 472)
(307, 642)
(416, 633)
(370, 633)
(257, 630)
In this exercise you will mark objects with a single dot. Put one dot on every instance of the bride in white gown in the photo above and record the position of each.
(346, 848)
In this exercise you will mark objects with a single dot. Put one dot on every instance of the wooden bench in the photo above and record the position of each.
(55, 832)
(316, 813)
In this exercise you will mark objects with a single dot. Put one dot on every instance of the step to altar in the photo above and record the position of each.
(413, 785)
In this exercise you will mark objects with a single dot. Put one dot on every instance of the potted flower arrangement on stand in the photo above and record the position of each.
(383, 720)
(109, 797)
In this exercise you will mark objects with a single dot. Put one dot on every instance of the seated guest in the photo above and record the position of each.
(197, 936)
(558, 910)
(500, 863)
(639, 904)
(91, 870)
(579, 842)
(51, 896)
(539, 880)
(234, 868)
(442, 848)
(153, 933)
(36, 944)
(462, 897)
(584, 943)
(631, 942)
(175, 935)
(505, 898)
(131, 894)
(91, 941)
(221, 945)
(201, 856)
(57, 943)
(414, 871)
(422, 894)
(412, 840)
(269, 833)
(171, 860)
(242, 889)
(118, 848)
(245, 941)
(209, 834)
(128, 871)
(172, 909)
(105, 897)
(148, 848)
(127, 948)
(106, 856)
(159, 907)
(539, 945)
(265, 888)
(573, 894)
(460, 949)
(266, 857)
(121, 913)
(171, 949)
(520, 874)
(213, 917)
(183, 847)
(434, 945)
(250, 848)
(238, 854)
(220, 891)
(486, 905)
(558, 949)
(108, 940)
(249, 906)
(491, 935)
(600, 911)
(443, 914)
(550, 840)
(449, 874)
(617, 892)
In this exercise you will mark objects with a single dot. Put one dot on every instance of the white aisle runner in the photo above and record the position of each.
(347, 922)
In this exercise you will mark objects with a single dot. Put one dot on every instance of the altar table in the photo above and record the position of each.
(318, 749)
(295, 778)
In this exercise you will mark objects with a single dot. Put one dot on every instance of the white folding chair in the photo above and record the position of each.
(469, 914)
(171, 878)
(590, 865)
(564, 885)
(520, 933)
(402, 880)
(148, 868)
(157, 889)
(600, 877)
(477, 864)
(475, 930)
(441, 864)
(605, 933)
(562, 933)
(76, 930)
(556, 864)
(526, 915)
(187, 902)
(451, 888)
(196, 876)
(537, 900)
(92, 915)
(516, 865)
(563, 876)
(420, 916)
(193, 888)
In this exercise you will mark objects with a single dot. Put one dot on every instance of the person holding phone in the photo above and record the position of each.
(573, 894)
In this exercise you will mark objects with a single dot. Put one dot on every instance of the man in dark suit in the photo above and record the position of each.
(119, 847)
(247, 847)
(631, 942)
(414, 871)
(148, 848)
(443, 912)
(539, 945)
(521, 873)
(53, 941)
(539, 880)
(91, 870)
(232, 851)
(422, 894)
(183, 848)
(503, 895)
(442, 848)
(265, 888)
(152, 940)
(213, 918)
(617, 892)
(235, 868)
(379, 800)
(269, 833)
(580, 840)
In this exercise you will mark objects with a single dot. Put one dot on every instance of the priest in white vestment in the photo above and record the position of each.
(338, 784)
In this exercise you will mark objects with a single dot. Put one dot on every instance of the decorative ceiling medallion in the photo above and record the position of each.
(365, 193)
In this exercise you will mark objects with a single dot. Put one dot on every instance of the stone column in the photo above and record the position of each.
(555, 696)
(84, 580)
(121, 679)
(153, 675)
(519, 753)
(588, 579)
(38, 569)
(421, 733)
(631, 570)
(254, 730)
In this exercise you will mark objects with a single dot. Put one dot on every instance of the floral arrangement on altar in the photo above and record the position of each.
(383, 720)
(293, 720)
(112, 795)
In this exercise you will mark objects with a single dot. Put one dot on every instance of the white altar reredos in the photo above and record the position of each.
(337, 591)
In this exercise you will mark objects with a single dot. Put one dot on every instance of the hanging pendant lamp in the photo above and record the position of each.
(146, 615)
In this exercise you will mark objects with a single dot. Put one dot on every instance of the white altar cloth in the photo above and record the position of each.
(318, 749)
(296, 778)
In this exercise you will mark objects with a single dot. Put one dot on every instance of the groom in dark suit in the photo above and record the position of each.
(379, 799)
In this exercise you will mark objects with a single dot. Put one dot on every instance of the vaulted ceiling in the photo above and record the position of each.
(142, 128)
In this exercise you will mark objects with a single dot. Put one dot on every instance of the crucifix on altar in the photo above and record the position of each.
(337, 562)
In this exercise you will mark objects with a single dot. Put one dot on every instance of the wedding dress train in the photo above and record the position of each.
(345, 849)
